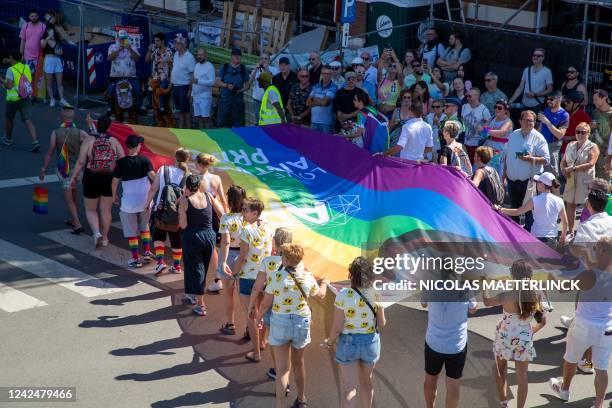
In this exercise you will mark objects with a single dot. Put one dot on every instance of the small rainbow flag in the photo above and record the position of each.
(63, 164)
(41, 200)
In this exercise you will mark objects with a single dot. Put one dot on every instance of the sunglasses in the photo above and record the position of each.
(569, 71)
(392, 66)
(538, 56)
(436, 106)
(359, 72)
(365, 58)
(550, 99)
(582, 132)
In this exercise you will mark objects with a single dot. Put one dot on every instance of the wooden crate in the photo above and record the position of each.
(275, 27)
(242, 36)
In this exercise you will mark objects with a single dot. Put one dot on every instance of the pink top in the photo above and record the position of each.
(32, 35)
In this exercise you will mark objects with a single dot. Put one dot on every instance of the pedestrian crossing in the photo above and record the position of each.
(83, 284)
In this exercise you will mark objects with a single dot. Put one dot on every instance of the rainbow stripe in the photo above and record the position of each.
(133, 244)
(63, 163)
(177, 255)
(41, 200)
(339, 199)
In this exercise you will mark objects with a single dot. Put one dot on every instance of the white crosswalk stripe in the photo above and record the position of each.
(55, 272)
(13, 300)
(111, 254)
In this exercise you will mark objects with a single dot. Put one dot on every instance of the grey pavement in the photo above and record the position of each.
(138, 346)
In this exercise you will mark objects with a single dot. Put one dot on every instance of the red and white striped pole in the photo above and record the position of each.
(91, 66)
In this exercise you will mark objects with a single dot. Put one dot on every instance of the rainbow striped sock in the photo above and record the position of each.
(177, 255)
(145, 237)
(159, 251)
(133, 243)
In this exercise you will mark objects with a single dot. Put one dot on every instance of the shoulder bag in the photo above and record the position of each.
(370, 306)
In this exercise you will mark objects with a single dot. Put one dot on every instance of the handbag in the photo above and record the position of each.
(532, 190)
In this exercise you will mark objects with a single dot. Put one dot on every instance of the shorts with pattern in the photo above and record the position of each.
(289, 328)
(514, 339)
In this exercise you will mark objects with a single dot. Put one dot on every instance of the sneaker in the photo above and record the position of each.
(189, 299)
(566, 321)
(199, 310)
(585, 367)
(174, 269)
(271, 373)
(557, 387)
(159, 268)
(63, 102)
(216, 286)
(97, 237)
(228, 328)
(35, 146)
(6, 141)
(134, 263)
(148, 256)
(52, 103)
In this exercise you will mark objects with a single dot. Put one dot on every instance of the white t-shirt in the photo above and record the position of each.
(592, 230)
(176, 175)
(471, 118)
(204, 73)
(415, 137)
(232, 224)
(182, 68)
(539, 80)
(258, 92)
(546, 210)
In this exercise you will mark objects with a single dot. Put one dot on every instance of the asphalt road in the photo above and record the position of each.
(124, 339)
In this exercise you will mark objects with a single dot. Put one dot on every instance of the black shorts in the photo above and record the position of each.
(180, 98)
(453, 363)
(175, 237)
(97, 185)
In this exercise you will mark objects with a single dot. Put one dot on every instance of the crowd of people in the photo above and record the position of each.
(425, 110)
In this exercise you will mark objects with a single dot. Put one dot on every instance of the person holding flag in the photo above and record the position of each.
(271, 110)
(66, 142)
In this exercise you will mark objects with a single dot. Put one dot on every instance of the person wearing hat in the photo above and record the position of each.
(233, 81)
(135, 172)
(257, 92)
(271, 110)
(547, 209)
(452, 104)
(602, 127)
(575, 107)
(66, 142)
(123, 57)
(285, 79)
(337, 78)
(553, 125)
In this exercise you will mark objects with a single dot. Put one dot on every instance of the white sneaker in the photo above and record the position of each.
(52, 103)
(566, 321)
(97, 237)
(216, 286)
(190, 299)
(585, 367)
(557, 387)
(160, 267)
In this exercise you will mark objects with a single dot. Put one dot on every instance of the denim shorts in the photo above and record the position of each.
(232, 256)
(358, 347)
(246, 286)
(266, 317)
(289, 328)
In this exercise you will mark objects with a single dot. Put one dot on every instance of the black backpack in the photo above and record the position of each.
(166, 214)
(494, 189)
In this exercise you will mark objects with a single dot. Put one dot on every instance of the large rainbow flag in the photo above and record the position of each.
(339, 199)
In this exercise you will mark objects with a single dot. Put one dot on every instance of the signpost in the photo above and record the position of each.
(345, 11)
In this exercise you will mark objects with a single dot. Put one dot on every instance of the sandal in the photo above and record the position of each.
(228, 328)
(251, 357)
(68, 222)
(76, 231)
(300, 404)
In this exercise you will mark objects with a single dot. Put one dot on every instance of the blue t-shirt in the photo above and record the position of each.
(236, 76)
(559, 119)
(447, 324)
(323, 115)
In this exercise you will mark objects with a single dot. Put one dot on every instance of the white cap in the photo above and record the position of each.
(357, 60)
(335, 64)
(546, 178)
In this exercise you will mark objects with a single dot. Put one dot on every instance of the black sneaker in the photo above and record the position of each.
(6, 141)
(271, 373)
(35, 147)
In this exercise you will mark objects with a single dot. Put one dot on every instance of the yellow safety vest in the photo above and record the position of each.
(269, 116)
(12, 94)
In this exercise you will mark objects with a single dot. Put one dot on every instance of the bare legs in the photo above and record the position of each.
(285, 358)
(356, 376)
(500, 371)
(571, 216)
(251, 327)
(71, 197)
